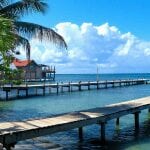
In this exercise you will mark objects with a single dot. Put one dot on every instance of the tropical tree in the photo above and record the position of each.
(23, 31)
(7, 42)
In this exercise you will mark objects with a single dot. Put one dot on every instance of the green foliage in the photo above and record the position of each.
(7, 41)
(24, 30)
(7, 37)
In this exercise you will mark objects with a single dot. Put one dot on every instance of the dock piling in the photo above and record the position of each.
(69, 87)
(7, 95)
(103, 132)
(17, 93)
(57, 88)
(61, 86)
(97, 85)
(136, 117)
(117, 122)
(80, 133)
(89, 85)
(79, 85)
(106, 84)
(27, 92)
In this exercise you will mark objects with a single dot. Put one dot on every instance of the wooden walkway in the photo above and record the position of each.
(12, 132)
(70, 87)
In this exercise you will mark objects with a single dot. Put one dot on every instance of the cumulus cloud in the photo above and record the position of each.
(90, 46)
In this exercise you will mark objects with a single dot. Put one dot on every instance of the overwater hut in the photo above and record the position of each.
(31, 71)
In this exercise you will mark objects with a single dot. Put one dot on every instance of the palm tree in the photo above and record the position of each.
(7, 40)
(23, 31)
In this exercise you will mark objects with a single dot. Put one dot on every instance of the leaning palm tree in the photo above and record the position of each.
(23, 31)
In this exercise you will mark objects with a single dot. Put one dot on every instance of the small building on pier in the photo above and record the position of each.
(31, 71)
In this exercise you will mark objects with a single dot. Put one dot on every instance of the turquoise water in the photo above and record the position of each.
(121, 138)
(94, 77)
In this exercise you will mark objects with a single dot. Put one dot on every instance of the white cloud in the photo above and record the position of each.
(89, 45)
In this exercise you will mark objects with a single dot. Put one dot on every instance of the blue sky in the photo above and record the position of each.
(111, 34)
(127, 15)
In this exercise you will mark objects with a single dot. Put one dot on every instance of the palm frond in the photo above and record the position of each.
(42, 33)
(3, 3)
(21, 41)
(21, 8)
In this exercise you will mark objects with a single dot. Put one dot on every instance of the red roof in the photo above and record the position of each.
(21, 63)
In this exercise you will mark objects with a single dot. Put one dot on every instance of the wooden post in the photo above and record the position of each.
(79, 85)
(27, 92)
(149, 110)
(80, 133)
(106, 84)
(61, 86)
(6, 94)
(36, 91)
(69, 88)
(54, 73)
(113, 84)
(136, 117)
(103, 132)
(26, 89)
(44, 90)
(57, 88)
(120, 83)
(9, 146)
(49, 89)
(17, 93)
(117, 122)
(88, 85)
(97, 85)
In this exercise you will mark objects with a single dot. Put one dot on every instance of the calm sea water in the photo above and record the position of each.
(120, 138)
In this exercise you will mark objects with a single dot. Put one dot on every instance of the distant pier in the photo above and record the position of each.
(13, 132)
(16, 91)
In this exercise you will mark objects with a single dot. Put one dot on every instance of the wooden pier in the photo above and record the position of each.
(13, 132)
(69, 87)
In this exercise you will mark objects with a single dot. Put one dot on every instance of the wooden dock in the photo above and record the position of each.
(69, 87)
(12, 132)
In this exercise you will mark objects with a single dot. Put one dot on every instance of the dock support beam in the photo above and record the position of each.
(120, 83)
(103, 132)
(97, 85)
(117, 122)
(9, 146)
(57, 88)
(69, 88)
(36, 92)
(44, 91)
(6, 95)
(80, 133)
(136, 116)
(17, 93)
(106, 84)
(27, 92)
(80, 86)
(62, 87)
(89, 85)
